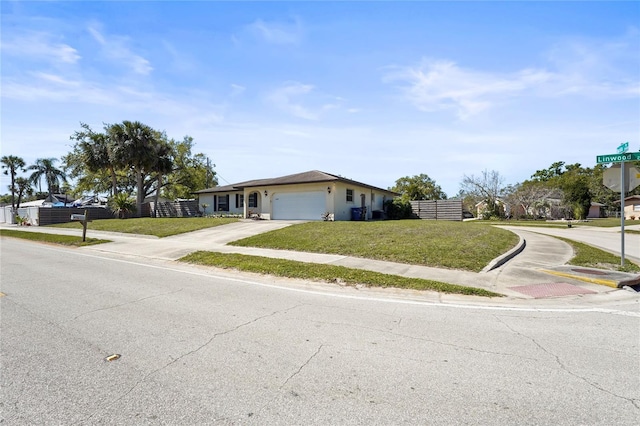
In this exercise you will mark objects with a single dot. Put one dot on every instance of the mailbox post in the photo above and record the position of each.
(82, 218)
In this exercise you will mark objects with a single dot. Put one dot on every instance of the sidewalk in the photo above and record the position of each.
(537, 270)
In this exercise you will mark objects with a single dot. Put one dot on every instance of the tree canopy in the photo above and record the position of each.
(134, 158)
(418, 187)
(12, 165)
(487, 187)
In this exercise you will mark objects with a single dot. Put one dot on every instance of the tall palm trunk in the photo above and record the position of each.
(140, 192)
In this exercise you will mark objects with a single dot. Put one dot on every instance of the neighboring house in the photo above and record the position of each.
(595, 211)
(482, 207)
(632, 207)
(301, 196)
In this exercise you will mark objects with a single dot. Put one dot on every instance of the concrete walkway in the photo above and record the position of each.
(520, 277)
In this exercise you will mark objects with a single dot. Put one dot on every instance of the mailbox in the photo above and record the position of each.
(80, 217)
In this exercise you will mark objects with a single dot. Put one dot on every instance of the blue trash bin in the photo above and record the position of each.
(356, 213)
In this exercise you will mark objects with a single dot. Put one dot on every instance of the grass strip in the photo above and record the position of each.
(440, 244)
(598, 223)
(592, 257)
(65, 240)
(327, 273)
(158, 226)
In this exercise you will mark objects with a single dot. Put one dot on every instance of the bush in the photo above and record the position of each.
(398, 208)
(122, 205)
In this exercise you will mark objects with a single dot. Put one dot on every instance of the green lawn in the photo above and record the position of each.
(454, 245)
(604, 223)
(327, 273)
(158, 226)
(592, 257)
(67, 240)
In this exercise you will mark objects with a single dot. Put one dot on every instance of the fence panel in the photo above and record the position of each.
(437, 209)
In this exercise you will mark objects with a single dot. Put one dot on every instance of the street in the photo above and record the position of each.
(200, 346)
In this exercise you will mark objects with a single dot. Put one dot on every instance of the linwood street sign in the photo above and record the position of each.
(627, 182)
(618, 158)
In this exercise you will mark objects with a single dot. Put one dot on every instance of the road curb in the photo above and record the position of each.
(499, 261)
(608, 283)
(614, 283)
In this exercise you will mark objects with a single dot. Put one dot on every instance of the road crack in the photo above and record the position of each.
(124, 304)
(302, 366)
(634, 402)
(423, 339)
(191, 352)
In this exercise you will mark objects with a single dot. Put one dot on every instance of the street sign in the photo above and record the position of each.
(618, 158)
(624, 147)
(611, 177)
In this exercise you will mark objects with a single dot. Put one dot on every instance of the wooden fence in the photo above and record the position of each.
(51, 215)
(437, 209)
(171, 209)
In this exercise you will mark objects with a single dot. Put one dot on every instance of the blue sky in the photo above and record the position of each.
(372, 91)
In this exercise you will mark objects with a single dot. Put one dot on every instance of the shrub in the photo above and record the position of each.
(122, 205)
(398, 208)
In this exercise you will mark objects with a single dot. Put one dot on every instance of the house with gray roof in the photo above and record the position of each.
(312, 195)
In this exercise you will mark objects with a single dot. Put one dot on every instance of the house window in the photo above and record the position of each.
(636, 207)
(349, 195)
(253, 200)
(223, 203)
(373, 198)
(239, 200)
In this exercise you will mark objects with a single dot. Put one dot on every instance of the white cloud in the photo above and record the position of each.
(237, 89)
(596, 69)
(115, 48)
(277, 32)
(40, 46)
(283, 98)
(303, 101)
(437, 85)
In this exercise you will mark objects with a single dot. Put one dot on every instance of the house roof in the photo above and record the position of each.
(313, 176)
(629, 198)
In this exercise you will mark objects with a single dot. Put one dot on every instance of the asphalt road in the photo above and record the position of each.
(205, 347)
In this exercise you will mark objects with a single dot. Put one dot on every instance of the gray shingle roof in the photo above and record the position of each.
(312, 176)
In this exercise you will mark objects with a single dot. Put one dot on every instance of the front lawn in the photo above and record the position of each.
(592, 257)
(158, 226)
(444, 244)
(326, 273)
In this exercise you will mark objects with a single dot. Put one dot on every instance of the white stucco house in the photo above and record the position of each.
(302, 196)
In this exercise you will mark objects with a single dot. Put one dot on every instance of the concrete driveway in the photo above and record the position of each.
(177, 246)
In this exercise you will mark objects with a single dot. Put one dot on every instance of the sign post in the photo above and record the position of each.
(620, 157)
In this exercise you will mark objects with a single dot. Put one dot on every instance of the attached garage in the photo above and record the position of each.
(299, 205)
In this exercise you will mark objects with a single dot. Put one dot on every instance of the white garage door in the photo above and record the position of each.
(299, 205)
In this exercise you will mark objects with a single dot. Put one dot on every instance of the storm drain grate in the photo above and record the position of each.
(538, 291)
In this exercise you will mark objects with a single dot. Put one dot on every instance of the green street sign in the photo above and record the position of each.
(618, 158)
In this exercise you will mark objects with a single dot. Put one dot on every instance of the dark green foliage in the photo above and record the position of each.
(398, 208)
(419, 187)
(122, 205)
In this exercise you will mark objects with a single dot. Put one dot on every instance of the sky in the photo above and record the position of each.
(371, 91)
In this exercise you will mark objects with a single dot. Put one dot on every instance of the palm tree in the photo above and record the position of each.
(44, 167)
(164, 165)
(23, 187)
(122, 205)
(97, 150)
(134, 145)
(12, 164)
